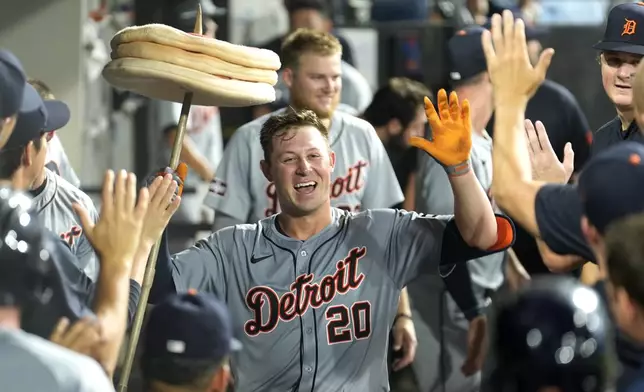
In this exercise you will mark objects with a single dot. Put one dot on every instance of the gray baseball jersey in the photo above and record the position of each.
(30, 363)
(58, 162)
(363, 177)
(54, 208)
(315, 315)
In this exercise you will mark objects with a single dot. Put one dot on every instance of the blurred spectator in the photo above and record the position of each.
(310, 14)
(397, 112)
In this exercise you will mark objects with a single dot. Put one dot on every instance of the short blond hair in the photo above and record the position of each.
(42, 88)
(308, 41)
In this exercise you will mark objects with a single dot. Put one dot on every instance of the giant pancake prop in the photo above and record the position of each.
(161, 62)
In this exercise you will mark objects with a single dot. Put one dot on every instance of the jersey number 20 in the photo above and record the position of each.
(345, 324)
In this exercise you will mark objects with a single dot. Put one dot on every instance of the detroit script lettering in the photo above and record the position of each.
(263, 300)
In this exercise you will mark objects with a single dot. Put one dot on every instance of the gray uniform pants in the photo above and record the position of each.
(441, 330)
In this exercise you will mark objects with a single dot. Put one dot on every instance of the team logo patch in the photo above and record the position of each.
(72, 235)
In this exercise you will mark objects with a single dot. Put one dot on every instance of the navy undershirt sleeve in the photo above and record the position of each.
(558, 212)
(163, 283)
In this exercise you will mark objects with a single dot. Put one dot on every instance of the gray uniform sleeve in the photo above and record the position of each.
(202, 267)
(382, 188)
(418, 243)
(223, 220)
(229, 192)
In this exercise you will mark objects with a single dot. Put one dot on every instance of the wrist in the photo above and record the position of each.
(459, 169)
(115, 266)
(405, 316)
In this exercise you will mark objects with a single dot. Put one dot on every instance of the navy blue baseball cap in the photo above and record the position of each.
(611, 186)
(190, 326)
(465, 54)
(46, 116)
(623, 27)
(13, 87)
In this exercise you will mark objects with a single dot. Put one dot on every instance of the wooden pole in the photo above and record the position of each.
(152, 259)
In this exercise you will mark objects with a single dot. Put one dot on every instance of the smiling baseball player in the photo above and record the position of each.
(313, 289)
(312, 70)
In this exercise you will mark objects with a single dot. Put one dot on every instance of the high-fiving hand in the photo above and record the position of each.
(451, 133)
(508, 62)
(545, 164)
(117, 233)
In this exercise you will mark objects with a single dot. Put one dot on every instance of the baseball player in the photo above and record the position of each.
(56, 159)
(313, 289)
(571, 220)
(25, 286)
(447, 359)
(621, 49)
(14, 96)
(188, 344)
(311, 62)
(23, 158)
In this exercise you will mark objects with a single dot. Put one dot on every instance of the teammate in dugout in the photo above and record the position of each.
(313, 289)
(570, 220)
(312, 70)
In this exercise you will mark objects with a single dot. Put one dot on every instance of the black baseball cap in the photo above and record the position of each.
(14, 96)
(611, 185)
(623, 27)
(46, 116)
(465, 57)
(190, 326)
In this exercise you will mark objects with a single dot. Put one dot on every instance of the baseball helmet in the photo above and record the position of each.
(553, 333)
(24, 261)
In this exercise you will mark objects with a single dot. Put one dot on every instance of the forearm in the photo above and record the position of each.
(473, 211)
(403, 303)
(193, 158)
(556, 262)
(510, 158)
(459, 285)
(196, 161)
(111, 308)
(141, 261)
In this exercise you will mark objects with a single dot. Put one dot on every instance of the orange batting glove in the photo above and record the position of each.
(451, 133)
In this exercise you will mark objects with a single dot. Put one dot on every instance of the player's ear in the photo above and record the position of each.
(332, 160)
(27, 156)
(266, 169)
(394, 127)
(590, 233)
(287, 76)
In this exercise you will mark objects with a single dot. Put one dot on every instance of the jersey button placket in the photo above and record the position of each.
(309, 342)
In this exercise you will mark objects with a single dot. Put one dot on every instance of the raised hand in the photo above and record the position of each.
(164, 202)
(451, 133)
(508, 62)
(545, 164)
(117, 233)
(83, 337)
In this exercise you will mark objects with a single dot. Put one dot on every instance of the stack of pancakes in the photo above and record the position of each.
(161, 62)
